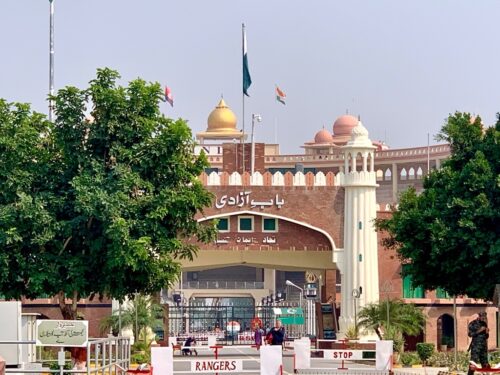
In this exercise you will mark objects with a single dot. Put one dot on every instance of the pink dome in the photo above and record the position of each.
(323, 136)
(344, 125)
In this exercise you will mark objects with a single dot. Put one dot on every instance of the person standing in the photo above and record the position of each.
(479, 332)
(277, 333)
(258, 335)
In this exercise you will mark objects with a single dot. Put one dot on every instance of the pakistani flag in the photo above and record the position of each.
(247, 80)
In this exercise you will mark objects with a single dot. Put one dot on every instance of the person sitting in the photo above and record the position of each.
(186, 350)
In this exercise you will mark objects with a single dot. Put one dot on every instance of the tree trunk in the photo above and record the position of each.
(68, 310)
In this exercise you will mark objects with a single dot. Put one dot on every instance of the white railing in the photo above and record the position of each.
(214, 284)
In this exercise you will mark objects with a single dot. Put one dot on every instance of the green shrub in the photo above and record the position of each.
(425, 351)
(494, 358)
(139, 357)
(140, 346)
(351, 333)
(447, 359)
(55, 366)
(409, 359)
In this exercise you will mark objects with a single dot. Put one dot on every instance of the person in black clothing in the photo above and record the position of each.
(278, 334)
(479, 332)
(190, 341)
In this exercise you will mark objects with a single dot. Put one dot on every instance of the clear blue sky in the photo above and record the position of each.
(402, 65)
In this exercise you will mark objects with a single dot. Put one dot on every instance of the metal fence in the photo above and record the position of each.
(232, 325)
(106, 356)
(211, 284)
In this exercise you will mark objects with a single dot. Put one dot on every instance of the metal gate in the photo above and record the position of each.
(231, 324)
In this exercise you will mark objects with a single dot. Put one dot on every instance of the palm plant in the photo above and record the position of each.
(140, 313)
(394, 314)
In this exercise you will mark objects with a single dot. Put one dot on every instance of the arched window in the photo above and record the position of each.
(388, 175)
(445, 332)
(411, 174)
(403, 174)
(359, 162)
(419, 173)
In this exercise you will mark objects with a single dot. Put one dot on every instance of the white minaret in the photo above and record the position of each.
(359, 262)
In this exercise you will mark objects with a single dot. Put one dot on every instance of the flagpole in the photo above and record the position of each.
(51, 61)
(243, 93)
(276, 130)
(275, 119)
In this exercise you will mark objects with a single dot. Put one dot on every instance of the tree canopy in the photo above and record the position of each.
(449, 235)
(100, 202)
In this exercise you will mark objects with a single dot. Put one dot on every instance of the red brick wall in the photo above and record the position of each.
(389, 267)
(320, 207)
(232, 153)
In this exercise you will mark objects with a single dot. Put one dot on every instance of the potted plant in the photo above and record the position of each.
(351, 334)
(425, 351)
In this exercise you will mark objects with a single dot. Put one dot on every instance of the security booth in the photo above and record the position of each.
(311, 290)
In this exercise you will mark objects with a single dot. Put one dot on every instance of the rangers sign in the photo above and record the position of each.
(211, 366)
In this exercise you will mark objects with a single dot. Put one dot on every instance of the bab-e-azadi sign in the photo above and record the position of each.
(62, 332)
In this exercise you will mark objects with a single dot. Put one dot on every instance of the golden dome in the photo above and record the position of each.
(221, 119)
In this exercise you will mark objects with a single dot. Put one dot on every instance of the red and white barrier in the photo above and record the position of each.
(303, 360)
(384, 353)
(270, 358)
(162, 360)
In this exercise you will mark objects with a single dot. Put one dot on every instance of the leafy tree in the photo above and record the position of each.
(450, 234)
(99, 205)
(404, 318)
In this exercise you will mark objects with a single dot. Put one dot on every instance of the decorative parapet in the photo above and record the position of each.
(412, 152)
(338, 156)
(269, 179)
(360, 178)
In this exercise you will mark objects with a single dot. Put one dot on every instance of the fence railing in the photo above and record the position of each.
(105, 356)
(203, 321)
(214, 284)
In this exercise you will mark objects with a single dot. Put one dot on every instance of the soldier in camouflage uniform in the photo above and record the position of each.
(479, 332)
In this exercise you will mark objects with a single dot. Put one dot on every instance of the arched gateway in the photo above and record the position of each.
(276, 228)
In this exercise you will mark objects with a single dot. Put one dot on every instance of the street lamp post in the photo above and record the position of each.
(356, 294)
(289, 283)
(257, 118)
(387, 288)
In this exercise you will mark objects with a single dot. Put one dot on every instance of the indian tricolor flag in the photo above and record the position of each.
(280, 95)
